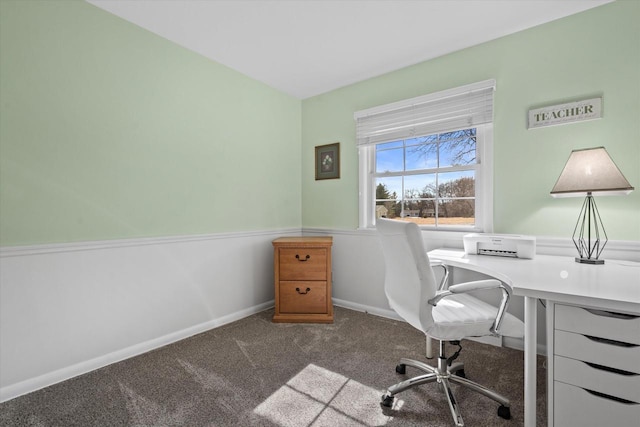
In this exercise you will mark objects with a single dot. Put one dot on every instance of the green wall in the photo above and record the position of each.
(594, 53)
(109, 131)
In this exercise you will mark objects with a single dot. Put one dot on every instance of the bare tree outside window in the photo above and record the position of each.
(429, 179)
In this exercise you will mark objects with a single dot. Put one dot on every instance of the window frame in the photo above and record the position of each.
(483, 184)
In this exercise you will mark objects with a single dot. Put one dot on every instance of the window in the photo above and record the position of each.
(428, 160)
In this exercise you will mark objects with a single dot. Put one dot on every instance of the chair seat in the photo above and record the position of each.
(409, 283)
(459, 316)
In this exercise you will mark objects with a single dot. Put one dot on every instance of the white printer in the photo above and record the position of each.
(507, 245)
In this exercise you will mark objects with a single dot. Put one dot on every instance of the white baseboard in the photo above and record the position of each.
(50, 378)
(389, 314)
(70, 308)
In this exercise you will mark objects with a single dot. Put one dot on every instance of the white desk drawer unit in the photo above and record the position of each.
(596, 373)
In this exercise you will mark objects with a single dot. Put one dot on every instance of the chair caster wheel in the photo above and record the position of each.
(387, 401)
(504, 412)
(401, 369)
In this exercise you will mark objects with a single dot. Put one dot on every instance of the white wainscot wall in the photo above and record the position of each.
(68, 309)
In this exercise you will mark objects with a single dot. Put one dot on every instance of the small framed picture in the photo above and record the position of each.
(328, 161)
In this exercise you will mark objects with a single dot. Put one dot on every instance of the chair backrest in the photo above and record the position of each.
(409, 280)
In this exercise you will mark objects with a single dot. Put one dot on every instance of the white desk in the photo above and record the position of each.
(612, 286)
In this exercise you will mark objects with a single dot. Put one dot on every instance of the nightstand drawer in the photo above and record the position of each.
(575, 406)
(595, 350)
(620, 384)
(303, 264)
(303, 297)
(598, 323)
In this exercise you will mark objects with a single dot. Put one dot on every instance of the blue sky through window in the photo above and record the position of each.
(438, 167)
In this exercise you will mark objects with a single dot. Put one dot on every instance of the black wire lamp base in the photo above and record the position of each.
(590, 171)
(589, 235)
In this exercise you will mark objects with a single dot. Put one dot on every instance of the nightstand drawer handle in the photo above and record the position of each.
(302, 293)
(302, 260)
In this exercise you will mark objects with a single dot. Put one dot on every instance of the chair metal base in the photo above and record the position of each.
(445, 376)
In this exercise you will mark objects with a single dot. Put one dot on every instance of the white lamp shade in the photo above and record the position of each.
(592, 171)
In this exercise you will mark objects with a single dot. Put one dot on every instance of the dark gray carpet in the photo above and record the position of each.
(256, 373)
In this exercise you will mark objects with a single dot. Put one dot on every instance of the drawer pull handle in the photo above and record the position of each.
(302, 260)
(613, 314)
(303, 293)
(610, 369)
(610, 342)
(607, 396)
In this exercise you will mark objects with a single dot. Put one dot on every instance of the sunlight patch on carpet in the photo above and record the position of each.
(319, 397)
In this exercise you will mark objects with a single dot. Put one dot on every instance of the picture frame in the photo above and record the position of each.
(328, 161)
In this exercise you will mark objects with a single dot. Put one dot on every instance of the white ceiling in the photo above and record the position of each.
(308, 47)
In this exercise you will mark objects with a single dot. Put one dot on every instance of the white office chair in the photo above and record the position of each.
(444, 314)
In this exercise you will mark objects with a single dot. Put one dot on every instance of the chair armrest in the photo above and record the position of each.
(478, 286)
(445, 276)
(475, 286)
(464, 288)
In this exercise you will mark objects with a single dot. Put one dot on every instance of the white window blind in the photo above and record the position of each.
(462, 107)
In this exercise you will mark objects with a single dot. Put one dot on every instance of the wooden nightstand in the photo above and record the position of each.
(302, 270)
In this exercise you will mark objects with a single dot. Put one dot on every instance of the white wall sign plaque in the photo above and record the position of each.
(588, 109)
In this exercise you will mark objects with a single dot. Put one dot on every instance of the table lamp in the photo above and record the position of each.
(590, 172)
